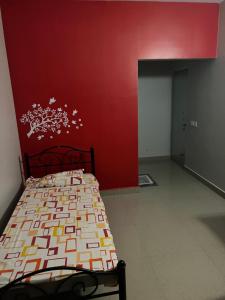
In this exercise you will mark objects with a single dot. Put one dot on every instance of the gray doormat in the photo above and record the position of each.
(146, 180)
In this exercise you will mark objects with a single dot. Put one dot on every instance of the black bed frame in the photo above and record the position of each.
(20, 289)
(57, 159)
(61, 158)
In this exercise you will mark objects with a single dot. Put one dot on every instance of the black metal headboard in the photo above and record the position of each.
(58, 159)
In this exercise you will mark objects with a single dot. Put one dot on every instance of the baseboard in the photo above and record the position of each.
(7, 214)
(152, 159)
(207, 182)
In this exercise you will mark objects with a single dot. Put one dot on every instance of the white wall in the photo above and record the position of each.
(10, 178)
(155, 87)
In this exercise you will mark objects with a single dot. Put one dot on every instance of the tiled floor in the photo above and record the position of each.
(172, 236)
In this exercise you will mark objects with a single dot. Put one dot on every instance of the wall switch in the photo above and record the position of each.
(193, 123)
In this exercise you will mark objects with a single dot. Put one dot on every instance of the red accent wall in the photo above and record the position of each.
(85, 54)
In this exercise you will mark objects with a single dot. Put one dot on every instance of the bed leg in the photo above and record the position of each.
(121, 267)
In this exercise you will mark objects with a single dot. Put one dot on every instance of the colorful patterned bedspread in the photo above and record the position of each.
(57, 226)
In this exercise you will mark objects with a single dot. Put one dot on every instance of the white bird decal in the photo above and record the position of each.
(52, 100)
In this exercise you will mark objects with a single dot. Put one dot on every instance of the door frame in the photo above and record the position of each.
(174, 157)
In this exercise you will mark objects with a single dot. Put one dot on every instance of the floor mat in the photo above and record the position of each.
(146, 180)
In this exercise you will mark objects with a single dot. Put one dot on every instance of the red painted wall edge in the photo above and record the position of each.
(85, 54)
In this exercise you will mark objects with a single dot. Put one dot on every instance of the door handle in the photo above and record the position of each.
(184, 126)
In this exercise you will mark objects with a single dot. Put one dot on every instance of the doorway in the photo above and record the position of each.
(154, 109)
(154, 115)
(167, 115)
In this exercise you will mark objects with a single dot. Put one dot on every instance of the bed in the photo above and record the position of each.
(57, 242)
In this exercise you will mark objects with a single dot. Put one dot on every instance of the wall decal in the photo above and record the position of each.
(52, 100)
(49, 120)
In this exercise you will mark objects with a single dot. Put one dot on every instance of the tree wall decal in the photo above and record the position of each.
(54, 120)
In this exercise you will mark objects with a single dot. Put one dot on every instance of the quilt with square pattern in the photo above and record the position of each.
(57, 226)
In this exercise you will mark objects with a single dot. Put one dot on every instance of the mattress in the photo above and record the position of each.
(57, 226)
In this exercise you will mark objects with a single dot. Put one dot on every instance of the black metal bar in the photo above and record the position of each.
(60, 154)
(60, 165)
(119, 272)
(121, 268)
(58, 147)
(27, 275)
(92, 160)
(26, 165)
(104, 295)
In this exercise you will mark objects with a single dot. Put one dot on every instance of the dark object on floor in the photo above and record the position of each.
(146, 180)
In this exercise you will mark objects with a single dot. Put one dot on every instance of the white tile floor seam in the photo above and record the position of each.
(172, 236)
